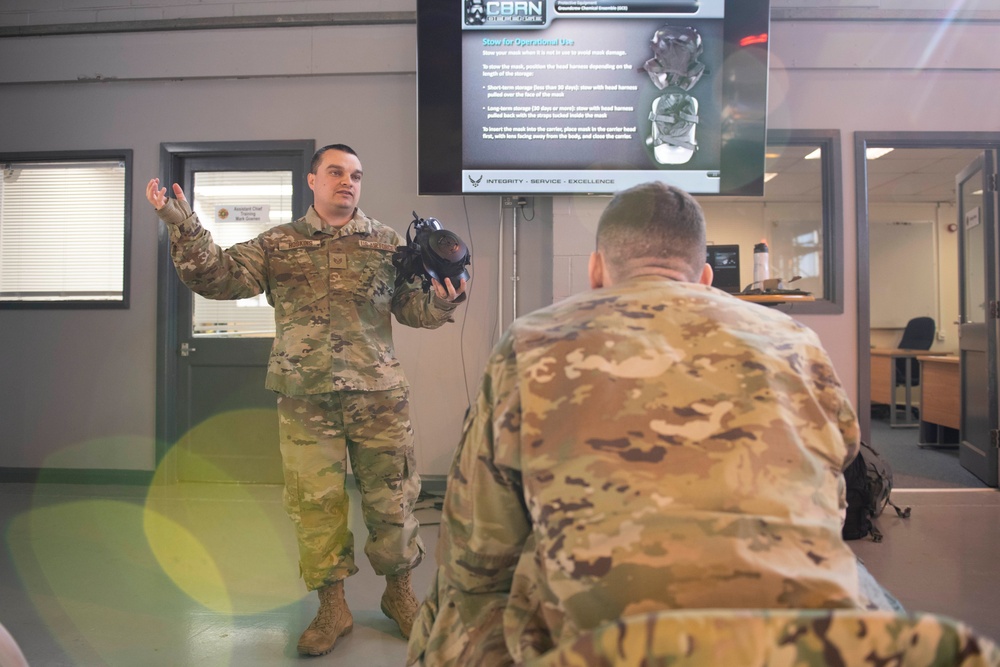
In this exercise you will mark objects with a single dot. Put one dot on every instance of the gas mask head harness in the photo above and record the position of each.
(431, 252)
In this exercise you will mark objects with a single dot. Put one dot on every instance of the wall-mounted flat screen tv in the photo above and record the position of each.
(591, 96)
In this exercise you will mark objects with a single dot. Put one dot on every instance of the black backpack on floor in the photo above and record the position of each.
(869, 483)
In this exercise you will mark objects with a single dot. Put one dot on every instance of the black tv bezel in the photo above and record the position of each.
(439, 101)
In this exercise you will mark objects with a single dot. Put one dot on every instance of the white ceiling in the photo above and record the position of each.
(797, 179)
(917, 174)
(904, 175)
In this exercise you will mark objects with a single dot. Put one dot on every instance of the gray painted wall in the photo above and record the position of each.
(79, 387)
(54, 12)
(33, 13)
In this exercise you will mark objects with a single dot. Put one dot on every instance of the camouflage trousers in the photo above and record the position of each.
(317, 433)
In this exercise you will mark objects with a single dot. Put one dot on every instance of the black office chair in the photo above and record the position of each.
(918, 335)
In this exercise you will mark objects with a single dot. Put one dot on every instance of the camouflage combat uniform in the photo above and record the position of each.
(341, 388)
(777, 638)
(652, 445)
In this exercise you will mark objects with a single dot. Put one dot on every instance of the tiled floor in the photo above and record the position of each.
(206, 575)
(197, 575)
(940, 559)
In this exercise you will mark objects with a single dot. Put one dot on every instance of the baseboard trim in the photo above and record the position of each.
(430, 484)
(433, 484)
(75, 476)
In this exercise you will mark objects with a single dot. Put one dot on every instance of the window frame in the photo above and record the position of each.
(832, 300)
(123, 155)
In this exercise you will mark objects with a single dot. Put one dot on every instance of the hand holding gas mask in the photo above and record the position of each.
(433, 253)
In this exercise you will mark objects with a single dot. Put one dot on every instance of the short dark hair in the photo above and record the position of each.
(318, 155)
(653, 224)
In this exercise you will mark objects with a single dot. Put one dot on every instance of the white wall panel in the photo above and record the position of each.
(199, 54)
(885, 45)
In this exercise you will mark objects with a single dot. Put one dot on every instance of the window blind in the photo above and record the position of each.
(62, 231)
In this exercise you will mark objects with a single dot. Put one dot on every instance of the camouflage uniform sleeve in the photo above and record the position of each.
(849, 428)
(413, 308)
(484, 528)
(238, 272)
(834, 400)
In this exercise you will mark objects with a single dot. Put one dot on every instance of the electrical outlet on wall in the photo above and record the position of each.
(516, 201)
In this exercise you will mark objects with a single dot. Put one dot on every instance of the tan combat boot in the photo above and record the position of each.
(333, 620)
(399, 603)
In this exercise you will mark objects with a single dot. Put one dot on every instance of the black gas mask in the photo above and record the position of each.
(431, 252)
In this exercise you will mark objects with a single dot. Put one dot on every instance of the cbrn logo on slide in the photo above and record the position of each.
(499, 12)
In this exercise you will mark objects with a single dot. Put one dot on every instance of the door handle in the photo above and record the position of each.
(186, 349)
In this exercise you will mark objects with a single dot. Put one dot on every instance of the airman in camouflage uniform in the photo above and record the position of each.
(330, 278)
(654, 444)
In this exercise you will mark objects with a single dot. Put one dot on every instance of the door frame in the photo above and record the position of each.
(172, 159)
(863, 141)
(981, 171)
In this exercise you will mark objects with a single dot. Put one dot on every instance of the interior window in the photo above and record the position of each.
(799, 218)
(236, 206)
(64, 230)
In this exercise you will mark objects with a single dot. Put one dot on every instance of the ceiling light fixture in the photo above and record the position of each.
(876, 153)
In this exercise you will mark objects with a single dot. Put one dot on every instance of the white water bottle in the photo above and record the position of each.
(761, 267)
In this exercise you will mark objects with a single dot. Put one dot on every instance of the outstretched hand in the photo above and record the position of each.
(157, 196)
(448, 293)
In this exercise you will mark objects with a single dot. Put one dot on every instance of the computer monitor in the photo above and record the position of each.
(725, 261)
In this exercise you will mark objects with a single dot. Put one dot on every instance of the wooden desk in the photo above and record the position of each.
(883, 382)
(940, 399)
(775, 299)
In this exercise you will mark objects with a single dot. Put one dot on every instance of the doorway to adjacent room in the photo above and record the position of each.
(909, 218)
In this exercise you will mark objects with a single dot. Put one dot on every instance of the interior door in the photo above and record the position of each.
(977, 331)
(221, 422)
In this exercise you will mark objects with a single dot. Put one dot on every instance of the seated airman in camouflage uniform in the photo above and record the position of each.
(341, 391)
(653, 444)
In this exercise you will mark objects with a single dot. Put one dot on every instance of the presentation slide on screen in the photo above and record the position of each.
(591, 96)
